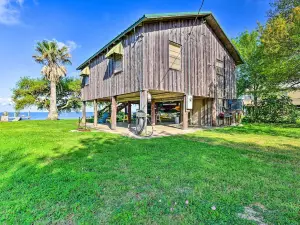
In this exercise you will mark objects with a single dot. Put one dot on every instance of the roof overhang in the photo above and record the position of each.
(212, 22)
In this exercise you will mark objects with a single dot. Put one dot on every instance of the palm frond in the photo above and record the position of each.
(53, 58)
(54, 73)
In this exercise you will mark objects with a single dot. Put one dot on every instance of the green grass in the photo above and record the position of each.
(51, 175)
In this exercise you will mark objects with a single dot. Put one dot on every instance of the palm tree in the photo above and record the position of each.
(53, 58)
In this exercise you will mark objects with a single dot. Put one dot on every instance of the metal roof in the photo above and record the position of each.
(149, 17)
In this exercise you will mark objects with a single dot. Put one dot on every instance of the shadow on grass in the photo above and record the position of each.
(113, 179)
(283, 153)
(284, 130)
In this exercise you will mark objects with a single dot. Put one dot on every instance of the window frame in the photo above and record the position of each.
(86, 80)
(220, 69)
(115, 59)
(169, 56)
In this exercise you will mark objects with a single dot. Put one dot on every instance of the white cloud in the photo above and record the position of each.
(72, 45)
(10, 11)
(6, 101)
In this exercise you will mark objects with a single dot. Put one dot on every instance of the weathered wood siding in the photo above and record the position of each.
(203, 48)
(201, 114)
(104, 84)
(146, 56)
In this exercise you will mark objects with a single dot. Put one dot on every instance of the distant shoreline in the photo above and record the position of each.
(44, 115)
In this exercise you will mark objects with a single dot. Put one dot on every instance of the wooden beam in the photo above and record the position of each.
(153, 116)
(214, 112)
(144, 104)
(84, 112)
(129, 112)
(169, 100)
(181, 110)
(166, 96)
(233, 118)
(95, 112)
(144, 100)
(185, 116)
(113, 117)
(136, 99)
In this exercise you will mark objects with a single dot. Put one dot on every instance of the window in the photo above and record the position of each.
(174, 56)
(85, 80)
(220, 67)
(118, 63)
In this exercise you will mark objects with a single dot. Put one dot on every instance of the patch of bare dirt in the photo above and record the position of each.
(253, 215)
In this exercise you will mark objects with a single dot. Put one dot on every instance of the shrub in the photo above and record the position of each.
(273, 109)
(120, 116)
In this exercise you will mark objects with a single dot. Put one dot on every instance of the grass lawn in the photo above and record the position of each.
(223, 176)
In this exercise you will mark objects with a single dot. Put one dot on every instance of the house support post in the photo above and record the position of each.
(143, 104)
(129, 112)
(83, 112)
(153, 116)
(233, 118)
(95, 112)
(184, 112)
(113, 116)
(181, 111)
(214, 112)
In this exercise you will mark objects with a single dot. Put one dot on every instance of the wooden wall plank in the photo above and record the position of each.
(149, 58)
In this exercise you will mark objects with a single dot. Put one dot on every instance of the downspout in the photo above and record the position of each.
(189, 67)
(142, 113)
(108, 65)
(139, 75)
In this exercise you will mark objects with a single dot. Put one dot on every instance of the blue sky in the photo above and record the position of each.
(87, 25)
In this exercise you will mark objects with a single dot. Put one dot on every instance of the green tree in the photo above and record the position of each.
(53, 58)
(271, 55)
(280, 38)
(250, 75)
(282, 7)
(36, 92)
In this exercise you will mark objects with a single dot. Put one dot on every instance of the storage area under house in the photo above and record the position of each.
(168, 59)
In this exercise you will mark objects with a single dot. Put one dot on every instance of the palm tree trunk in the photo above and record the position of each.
(53, 115)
